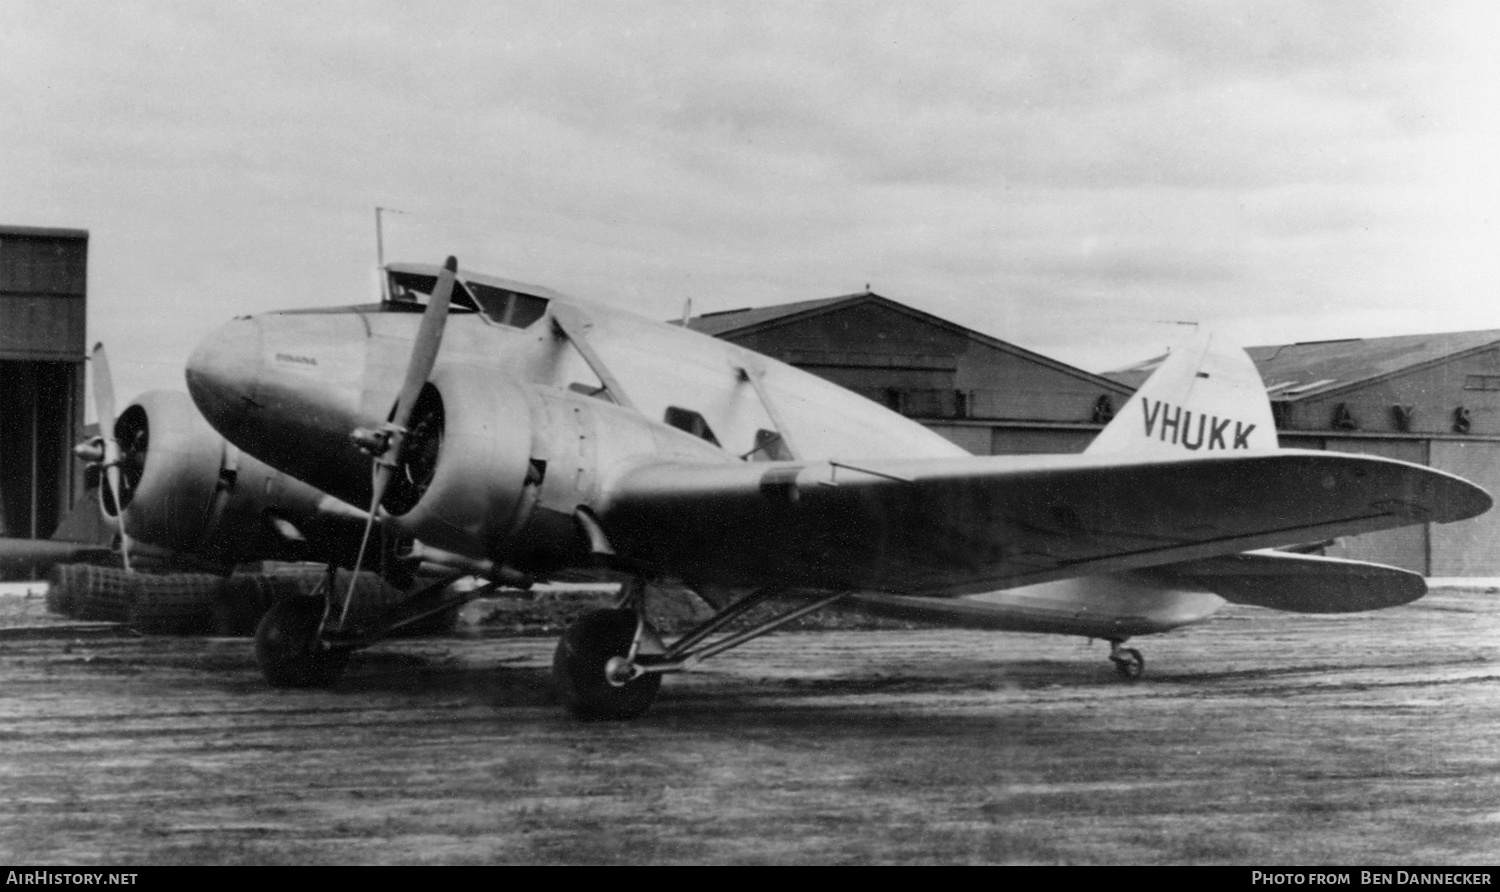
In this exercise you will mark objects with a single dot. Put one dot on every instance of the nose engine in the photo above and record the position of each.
(464, 481)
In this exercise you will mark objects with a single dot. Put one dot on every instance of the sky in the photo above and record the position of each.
(1071, 177)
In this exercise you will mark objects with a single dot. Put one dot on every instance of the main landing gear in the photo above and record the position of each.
(301, 641)
(1128, 661)
(290, 649)
(609, 663)
(588, 669)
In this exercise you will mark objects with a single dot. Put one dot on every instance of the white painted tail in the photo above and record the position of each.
(1203, 399)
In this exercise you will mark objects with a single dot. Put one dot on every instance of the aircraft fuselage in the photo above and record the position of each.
(539, 418)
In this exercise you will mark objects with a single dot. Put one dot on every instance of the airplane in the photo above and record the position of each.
(511, 432)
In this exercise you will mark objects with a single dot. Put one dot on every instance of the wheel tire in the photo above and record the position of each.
(1131, 665)
(288, 650)
(578, 668)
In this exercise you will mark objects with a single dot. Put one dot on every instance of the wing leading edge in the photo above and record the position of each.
(959, 526)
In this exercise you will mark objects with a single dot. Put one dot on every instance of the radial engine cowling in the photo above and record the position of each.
(182, 483)
(462, 478)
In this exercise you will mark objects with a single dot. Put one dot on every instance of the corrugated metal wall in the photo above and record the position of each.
(1404, 547)
(43, 279)
(1468, 547)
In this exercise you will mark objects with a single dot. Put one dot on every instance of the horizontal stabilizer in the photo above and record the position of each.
(1300, 583)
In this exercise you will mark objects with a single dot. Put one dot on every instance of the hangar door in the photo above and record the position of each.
(1468, 547)
(36, 426)
(1404, 547)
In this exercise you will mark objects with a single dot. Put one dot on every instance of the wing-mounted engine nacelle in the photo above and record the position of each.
(187, 490)
(464, 480)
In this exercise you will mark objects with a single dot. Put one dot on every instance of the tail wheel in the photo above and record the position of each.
(289, 651)
(578, 673)
(1129, 663)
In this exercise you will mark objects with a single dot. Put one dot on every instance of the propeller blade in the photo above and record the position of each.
(429, 338)
(104, 391)
(104, 407)
(418, 369)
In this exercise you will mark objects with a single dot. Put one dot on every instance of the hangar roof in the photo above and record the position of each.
(746, 318)
(42, 232)
(1319, 368)
(749, 320)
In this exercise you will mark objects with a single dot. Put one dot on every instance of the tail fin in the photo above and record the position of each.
(1203, 398)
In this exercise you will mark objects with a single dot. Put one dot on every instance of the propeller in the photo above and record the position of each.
(104, 406)
(386, 446)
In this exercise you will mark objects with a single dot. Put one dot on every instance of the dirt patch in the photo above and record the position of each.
(1259, 738)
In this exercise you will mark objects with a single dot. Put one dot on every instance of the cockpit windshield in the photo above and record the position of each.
(508, 307)
(504, 306)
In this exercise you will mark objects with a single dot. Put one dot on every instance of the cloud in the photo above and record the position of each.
(1052, 173)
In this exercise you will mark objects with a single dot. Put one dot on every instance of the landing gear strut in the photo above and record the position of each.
(1128, 661)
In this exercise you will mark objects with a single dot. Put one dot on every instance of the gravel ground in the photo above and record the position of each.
(1257, 739)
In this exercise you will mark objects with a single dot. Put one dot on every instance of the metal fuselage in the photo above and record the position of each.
(541, 417)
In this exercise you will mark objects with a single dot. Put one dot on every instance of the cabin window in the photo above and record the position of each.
(769, 446)
(690, 421)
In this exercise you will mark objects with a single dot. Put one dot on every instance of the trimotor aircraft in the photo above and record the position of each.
(507, 431)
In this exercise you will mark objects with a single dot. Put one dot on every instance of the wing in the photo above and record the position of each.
(956, 526)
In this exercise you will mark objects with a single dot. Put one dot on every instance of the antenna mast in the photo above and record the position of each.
(385, 285)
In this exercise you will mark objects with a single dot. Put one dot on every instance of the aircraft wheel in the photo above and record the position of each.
(1129, 663)
(288, 650)
(578, 668)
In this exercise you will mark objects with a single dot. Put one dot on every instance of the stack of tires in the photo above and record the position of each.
(204, 604)
(87, 592)
(176, 604)
(179, 604)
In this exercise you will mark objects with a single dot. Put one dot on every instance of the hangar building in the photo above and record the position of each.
(990, 397)
(1428, 399)
(43, 284)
